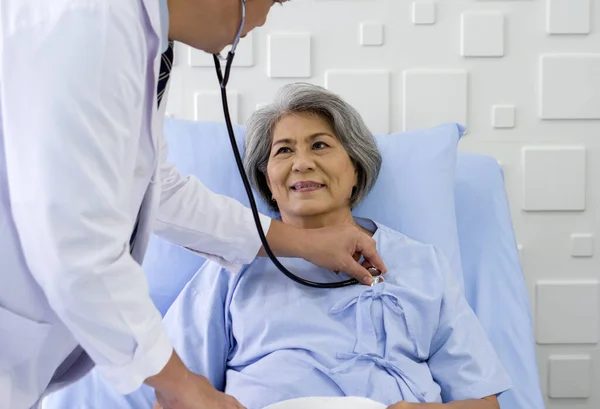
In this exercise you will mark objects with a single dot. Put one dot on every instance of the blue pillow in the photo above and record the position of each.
(414, 193)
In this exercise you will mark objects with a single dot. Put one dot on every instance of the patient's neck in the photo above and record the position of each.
(335, 218)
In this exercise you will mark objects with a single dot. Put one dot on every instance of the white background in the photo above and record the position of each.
(523, 75)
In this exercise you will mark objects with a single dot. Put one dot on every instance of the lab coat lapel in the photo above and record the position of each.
(153, 38)
(147, 215)
(151, 199)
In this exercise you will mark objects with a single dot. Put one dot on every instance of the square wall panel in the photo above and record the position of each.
(503, 116)
(244, 55)
(582, 245)
(567, 312)
(367, 91)
(424, 13)
(568, 16)
(482, 34)
(569, 376)
(432, 97)
(570, 86)
(289, 56)
(208, 106)
(371, 33)
(554, 178)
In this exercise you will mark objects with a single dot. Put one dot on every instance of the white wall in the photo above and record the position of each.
(540, 57)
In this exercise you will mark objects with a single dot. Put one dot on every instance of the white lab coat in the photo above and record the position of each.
(81, 151)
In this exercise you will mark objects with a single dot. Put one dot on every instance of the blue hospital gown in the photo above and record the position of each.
(263, 338)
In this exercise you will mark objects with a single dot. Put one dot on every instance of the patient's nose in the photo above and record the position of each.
(303, 163)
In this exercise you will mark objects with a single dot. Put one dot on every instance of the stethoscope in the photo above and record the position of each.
(223, 80)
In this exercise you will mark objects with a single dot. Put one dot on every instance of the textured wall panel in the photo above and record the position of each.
(503, 116)
(569, 376)
(371, 33)
(432, 97)
(582, 245)
(482, 34)
(568, 16)
(554, 178)
(367, 91)
(424, 13)
(567, 312)
(570, 86)
(289, 56)
(208, 106)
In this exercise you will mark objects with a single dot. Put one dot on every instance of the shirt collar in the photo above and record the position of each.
(164, 25)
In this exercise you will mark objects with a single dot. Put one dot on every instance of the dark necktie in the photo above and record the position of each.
(166, 64)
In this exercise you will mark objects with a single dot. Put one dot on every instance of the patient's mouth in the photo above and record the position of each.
(306, 186)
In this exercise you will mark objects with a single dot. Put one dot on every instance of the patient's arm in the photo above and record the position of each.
(489, 402)
(462, 360)
(198, 325)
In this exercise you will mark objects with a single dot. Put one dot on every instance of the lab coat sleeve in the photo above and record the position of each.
(462, 359)
(198, 324)
(73, 91)
(215, 226)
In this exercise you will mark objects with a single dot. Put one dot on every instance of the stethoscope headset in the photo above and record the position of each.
(223, 80)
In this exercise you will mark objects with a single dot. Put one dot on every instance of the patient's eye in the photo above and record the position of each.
(320, 145)
(283, 149)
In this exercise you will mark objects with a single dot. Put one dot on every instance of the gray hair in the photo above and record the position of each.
(346, 122)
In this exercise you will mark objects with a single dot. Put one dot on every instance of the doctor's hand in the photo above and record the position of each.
(196, 393)
(338, 248)
(489, 402)
(178, 388)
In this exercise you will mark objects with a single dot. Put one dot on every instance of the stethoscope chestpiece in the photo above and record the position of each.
(377, 276)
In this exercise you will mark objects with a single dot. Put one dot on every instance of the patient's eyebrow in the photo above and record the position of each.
(283, 141)
(311, 137)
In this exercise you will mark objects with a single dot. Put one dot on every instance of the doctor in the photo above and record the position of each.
(83, 182)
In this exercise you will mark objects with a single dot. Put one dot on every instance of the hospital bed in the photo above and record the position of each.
(427, 190)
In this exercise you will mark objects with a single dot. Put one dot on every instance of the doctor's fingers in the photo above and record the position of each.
(228, 402)
(357, 271)
(405, 405)
(367, 247)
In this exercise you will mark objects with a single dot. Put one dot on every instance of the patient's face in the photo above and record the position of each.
(309, 172)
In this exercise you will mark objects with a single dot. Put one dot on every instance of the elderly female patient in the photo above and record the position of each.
(262, 338)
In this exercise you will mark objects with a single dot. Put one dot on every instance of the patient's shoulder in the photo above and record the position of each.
(209, 277)
(403, 253)
(387, 235)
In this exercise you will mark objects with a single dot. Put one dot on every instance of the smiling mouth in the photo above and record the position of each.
(307, 187)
